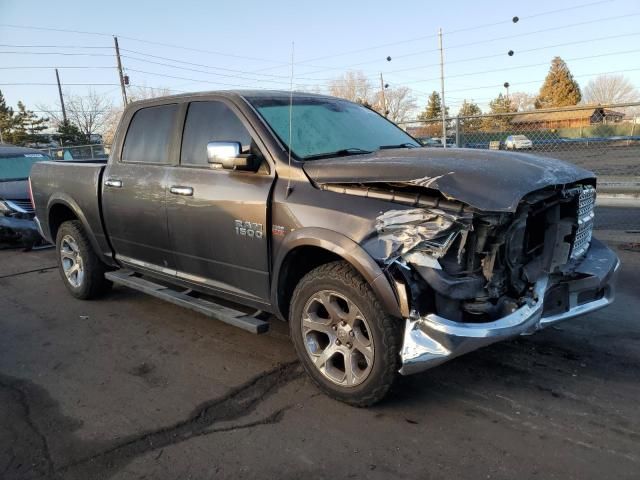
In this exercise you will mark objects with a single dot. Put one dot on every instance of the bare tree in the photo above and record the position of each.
(144, 93)
(608, 89)
(401, 104)
(90, 112)
(522, 101)
(353, 86)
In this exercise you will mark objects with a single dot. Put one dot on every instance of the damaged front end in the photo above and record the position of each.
(473, 278)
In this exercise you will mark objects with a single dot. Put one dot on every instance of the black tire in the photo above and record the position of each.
(385, 333)
(92, 284)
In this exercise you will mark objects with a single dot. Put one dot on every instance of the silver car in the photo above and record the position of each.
(517, 142)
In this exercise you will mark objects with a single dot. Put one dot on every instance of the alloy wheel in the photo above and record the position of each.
(72, 264)
(337, 338)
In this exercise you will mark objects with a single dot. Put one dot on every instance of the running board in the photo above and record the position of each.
(228, 315)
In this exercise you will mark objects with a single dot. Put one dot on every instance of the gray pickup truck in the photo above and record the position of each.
(384, 257)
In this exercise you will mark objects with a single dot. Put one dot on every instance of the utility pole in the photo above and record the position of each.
(384, 98)
(444, 109)
(124, 91)
(64, 111)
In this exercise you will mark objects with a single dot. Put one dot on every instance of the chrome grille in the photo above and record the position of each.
(23, 206)
(584, 231)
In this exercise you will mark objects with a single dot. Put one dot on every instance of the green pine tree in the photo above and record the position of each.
(7, 120)
(470, 109)
(70, 134)
(28, 126)
(433, 109)
(500, 105)
(559, 88)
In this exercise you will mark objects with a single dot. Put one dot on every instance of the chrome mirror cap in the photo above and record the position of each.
(223, 152)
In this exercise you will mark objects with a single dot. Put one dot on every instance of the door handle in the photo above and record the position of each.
(187, 191)
(112, 182)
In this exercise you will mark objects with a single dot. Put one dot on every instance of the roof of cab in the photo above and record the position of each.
(231, 93)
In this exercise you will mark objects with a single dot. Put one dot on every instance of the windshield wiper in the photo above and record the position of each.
(400, 145)
(345, 152)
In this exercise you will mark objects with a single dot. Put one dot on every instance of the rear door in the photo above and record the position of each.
(134, 189)
(217, 218)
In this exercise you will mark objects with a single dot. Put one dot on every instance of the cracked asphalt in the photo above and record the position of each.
(129, 387)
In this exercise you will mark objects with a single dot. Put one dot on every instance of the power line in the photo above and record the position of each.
(83, 54)
(524, 34)
(66, 84)
(195, 80)
(505, 37)
(50, 46)
(542, 80)
(453, 32)
(206, 66)
(23, 67)
(575, 59)
(494, 55)
(150, 42)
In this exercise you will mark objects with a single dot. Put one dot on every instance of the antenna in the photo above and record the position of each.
(289, 189)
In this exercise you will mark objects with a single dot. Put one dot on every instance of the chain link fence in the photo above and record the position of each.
(79, 152)
(604, 139)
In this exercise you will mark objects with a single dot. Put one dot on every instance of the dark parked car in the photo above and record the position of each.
(384, 257)
(16, 210)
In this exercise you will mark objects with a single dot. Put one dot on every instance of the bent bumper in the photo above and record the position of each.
(432, 340)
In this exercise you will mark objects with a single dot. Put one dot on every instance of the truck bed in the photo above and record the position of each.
(75, 186)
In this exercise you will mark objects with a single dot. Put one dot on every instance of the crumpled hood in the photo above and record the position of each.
(485, 179)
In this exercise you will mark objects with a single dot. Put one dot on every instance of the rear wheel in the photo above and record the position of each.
(80, 268)
(345, 341)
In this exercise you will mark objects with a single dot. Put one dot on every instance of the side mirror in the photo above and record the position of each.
(229, 156)
(223, 153)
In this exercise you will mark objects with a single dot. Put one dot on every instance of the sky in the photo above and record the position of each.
(210, 45)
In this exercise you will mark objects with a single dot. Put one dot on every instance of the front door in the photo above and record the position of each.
(134, 189)
(217, 218)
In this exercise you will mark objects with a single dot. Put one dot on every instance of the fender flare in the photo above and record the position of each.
(70, 203)
(345, 248)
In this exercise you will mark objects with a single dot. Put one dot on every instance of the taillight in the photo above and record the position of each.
(33, 203)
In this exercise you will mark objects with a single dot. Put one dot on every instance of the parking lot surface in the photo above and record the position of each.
(129, 387)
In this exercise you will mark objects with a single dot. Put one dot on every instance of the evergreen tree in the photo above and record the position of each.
(470, 109)
(500, 105)
(27, 126)
(69, 134)
(559, 88)
(6, 120)
(434, 108)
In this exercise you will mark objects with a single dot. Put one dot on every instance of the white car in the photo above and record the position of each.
(517, 142)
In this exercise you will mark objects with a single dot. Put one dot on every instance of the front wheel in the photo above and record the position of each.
(346, 342)
(80, 268)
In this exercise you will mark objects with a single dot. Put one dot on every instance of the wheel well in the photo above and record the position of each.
(58, 214)
(297, 264)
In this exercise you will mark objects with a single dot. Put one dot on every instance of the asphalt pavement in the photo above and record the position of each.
(129, 387)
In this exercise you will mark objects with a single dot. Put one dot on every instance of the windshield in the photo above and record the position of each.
(520, 137)
(325, 127)
(18, 167)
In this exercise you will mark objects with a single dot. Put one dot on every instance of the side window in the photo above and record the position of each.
(149, 135)
(210, 122)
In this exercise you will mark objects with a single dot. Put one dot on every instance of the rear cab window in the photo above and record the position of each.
(150, 135)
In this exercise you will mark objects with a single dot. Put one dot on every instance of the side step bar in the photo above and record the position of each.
(228, 315)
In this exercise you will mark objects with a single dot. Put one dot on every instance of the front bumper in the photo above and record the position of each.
(432, 340)
(25, 228)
